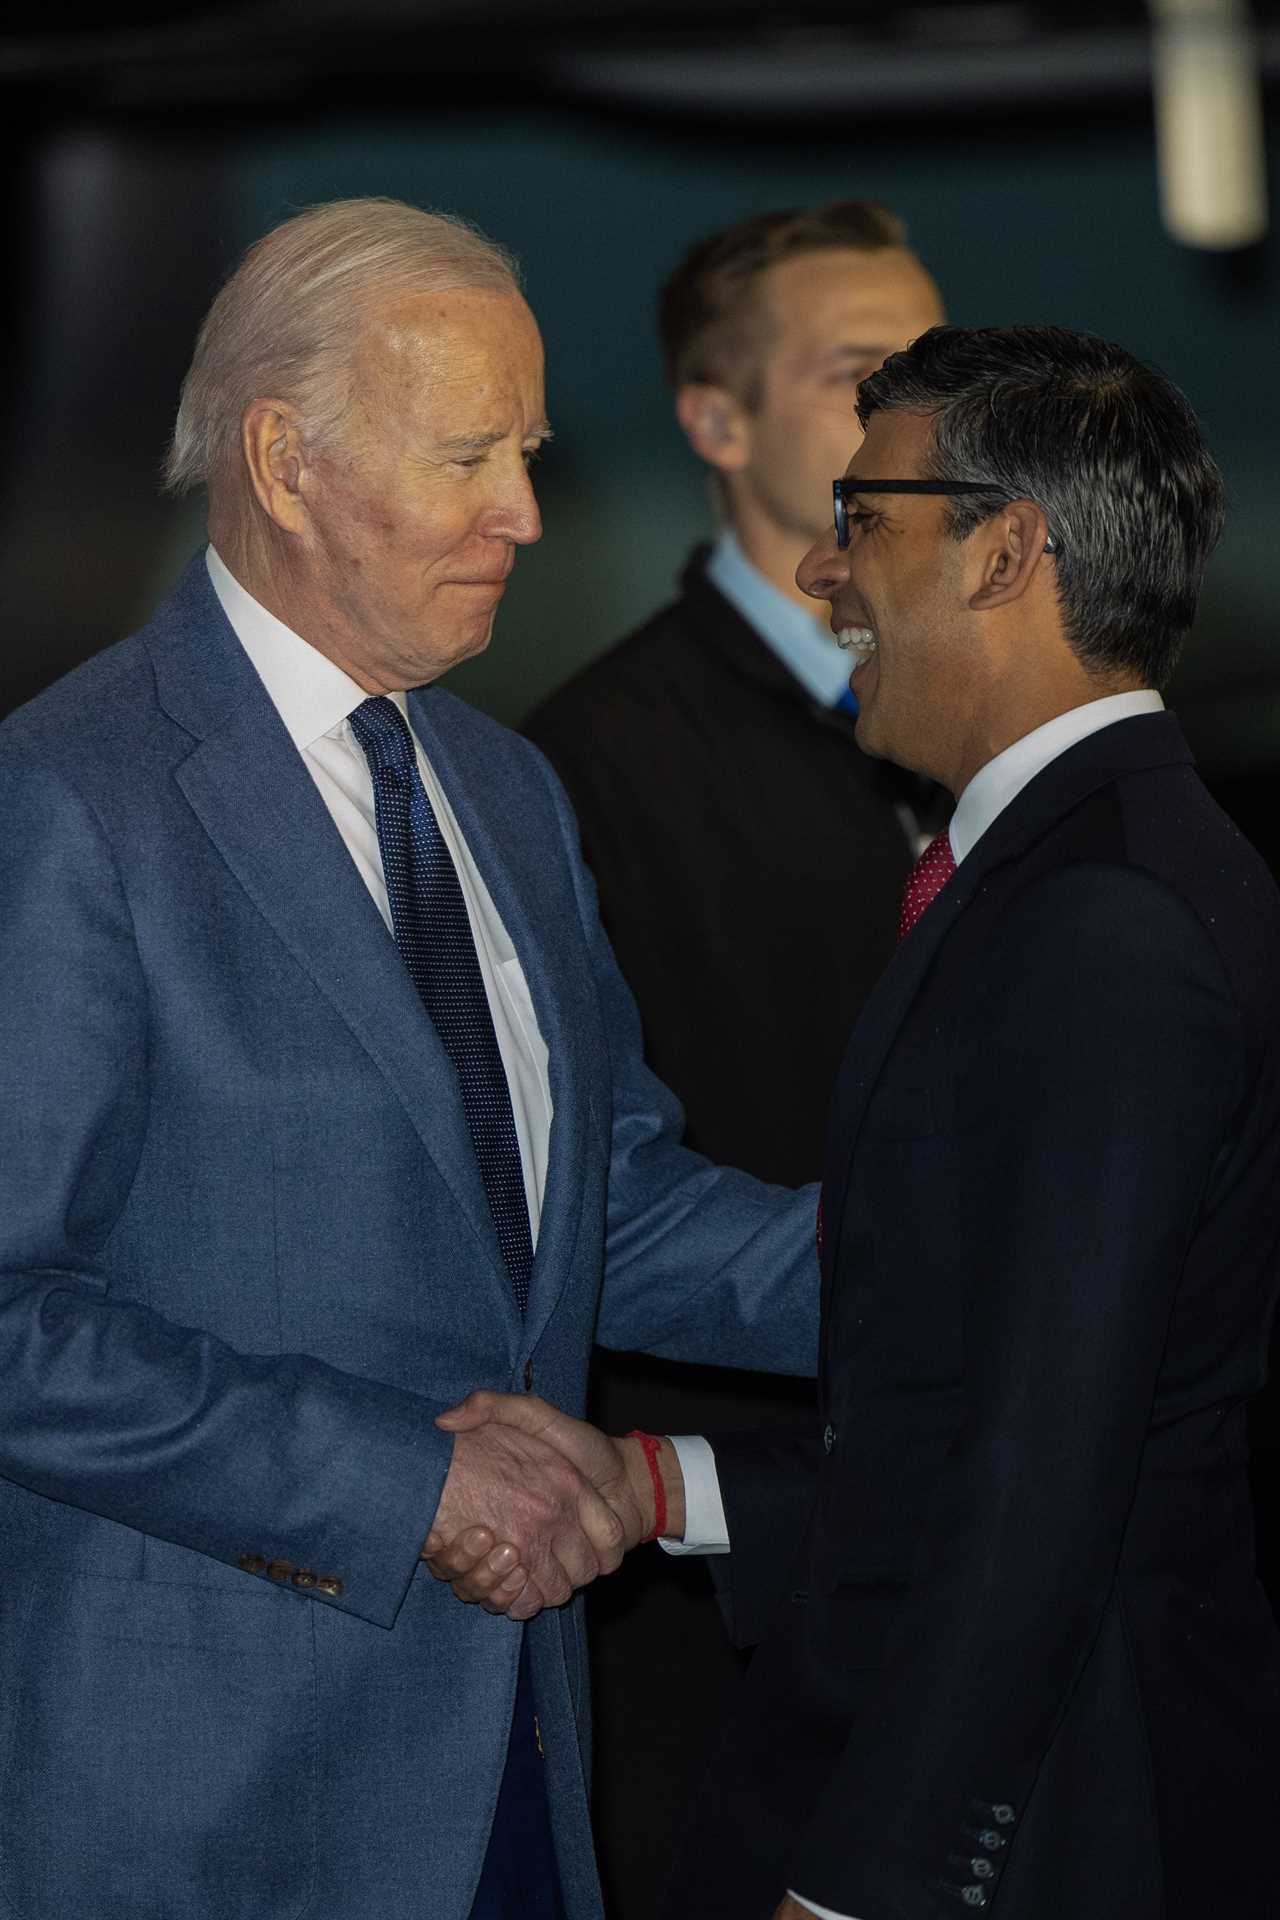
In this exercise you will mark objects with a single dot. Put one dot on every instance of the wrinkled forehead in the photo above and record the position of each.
(428, 329)
(428, 344)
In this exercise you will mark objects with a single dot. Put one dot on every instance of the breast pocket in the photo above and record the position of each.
(161, 1754)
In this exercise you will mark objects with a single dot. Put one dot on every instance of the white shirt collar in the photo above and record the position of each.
(1002, 779)
(310, 692)
(789, 630)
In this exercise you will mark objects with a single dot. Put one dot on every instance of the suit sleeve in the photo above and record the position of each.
(1100, 1072)
(104, 1404)
(702, 1263)
(768, 1482)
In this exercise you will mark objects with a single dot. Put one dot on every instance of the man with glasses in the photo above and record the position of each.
(1019, 1658)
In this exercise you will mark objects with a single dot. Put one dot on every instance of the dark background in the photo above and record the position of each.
(143, 146)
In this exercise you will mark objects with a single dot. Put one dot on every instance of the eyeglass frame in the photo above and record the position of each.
(847, 485)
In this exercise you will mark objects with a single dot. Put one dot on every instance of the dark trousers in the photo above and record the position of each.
(519, 1880)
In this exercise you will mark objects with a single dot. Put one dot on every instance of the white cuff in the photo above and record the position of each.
(705, 1527)
(824, 1913)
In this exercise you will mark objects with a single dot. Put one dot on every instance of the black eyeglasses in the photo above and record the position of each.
(845, 488)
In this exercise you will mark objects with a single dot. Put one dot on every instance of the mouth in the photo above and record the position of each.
(858, 642)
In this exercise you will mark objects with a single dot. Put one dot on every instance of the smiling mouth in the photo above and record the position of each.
(859, 642)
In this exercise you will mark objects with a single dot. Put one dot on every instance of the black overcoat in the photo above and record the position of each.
(750, 861)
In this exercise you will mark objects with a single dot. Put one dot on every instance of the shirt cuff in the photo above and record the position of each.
(823, 1913)
(705, 1528)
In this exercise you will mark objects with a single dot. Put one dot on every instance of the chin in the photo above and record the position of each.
(865, 735)
(466, 646)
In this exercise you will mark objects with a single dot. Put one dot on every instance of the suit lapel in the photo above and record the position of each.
(251, 792)
(509, 846)
(1146, 740)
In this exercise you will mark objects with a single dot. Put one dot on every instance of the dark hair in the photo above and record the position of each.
(712, 326)
(1106, 446)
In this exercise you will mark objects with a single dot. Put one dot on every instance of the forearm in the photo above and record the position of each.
(655, 1480)
(167, 1429)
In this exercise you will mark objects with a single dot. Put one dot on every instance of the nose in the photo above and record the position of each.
(516, 516)
(824, 569)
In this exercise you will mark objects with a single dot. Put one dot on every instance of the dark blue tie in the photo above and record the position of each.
(433, 933)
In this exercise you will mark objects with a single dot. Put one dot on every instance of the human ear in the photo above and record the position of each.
(1011, 547)
(271, 443)
(716, 425)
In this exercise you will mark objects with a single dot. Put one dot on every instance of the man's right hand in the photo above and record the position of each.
(557, 1532)
(481, 1564)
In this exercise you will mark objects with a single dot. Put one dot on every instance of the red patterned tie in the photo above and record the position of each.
(927, 878)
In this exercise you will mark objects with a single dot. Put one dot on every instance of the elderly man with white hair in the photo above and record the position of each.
(322, 1103)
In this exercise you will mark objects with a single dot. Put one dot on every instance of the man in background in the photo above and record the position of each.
(750, 859)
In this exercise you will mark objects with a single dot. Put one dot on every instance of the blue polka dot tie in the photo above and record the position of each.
(433, 933)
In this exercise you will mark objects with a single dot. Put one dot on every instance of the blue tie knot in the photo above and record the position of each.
(379, 726)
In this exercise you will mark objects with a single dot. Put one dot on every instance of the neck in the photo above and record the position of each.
(1006, 723)
(776, 553)
(262, 565)
(251, 555)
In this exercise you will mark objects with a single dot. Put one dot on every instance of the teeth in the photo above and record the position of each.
(859, 641)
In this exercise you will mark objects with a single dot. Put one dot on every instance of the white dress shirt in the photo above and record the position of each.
(314, 697)
(983, 800)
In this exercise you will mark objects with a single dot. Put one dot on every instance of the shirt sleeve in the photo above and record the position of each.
(705, 1528)
(823, 1913)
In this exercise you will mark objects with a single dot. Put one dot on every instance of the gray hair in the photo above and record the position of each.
(1106, 446)
(286, 323)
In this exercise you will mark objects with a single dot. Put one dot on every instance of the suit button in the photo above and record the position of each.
(991, 1840)
(252, 1563)
(981, 1869)
(828, 1437)
(304, 1577)
(329, 1583)
(1003, 1815)
(528, 1376)
(280, 1569)
(974, 1896)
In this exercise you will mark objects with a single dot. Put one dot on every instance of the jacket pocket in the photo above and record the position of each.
(161, 1754)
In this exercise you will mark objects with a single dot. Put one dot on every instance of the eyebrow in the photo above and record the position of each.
(478, 442)
(856, 350)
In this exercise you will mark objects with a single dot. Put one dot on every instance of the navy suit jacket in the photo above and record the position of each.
(245, 1258)
(1022, 1662)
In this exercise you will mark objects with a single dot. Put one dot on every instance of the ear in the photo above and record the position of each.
(717, 425)
(271, 442)
(1011, 550)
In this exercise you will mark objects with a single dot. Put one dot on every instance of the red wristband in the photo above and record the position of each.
(649, 1446)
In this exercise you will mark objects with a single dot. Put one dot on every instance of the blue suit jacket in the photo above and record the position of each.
(245, 1258)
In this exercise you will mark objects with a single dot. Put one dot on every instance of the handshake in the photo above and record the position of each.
(537, 1504)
